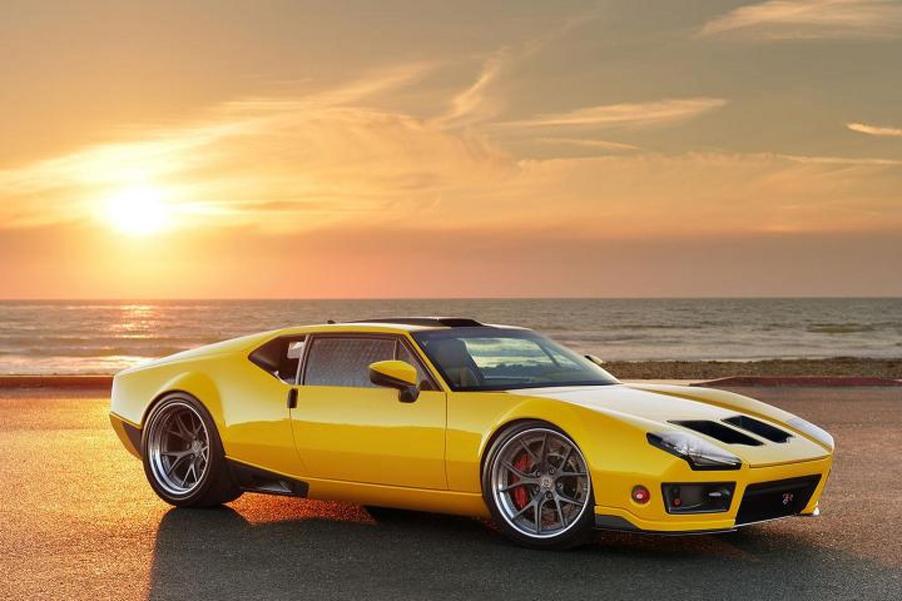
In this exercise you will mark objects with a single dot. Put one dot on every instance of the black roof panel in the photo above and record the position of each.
(439, 322)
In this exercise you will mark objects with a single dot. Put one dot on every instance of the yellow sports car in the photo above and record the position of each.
(452, 415)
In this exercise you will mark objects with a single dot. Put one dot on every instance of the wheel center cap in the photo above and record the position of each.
(546, 482)
(195, 446)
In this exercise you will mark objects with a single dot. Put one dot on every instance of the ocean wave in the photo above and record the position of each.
(92, 336)
(94, 351)
(840, 328)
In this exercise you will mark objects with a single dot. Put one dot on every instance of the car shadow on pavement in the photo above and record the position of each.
(219, 554)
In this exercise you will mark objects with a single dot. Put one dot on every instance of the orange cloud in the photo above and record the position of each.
(807, 19)
(640, 114)
(329, 159)
(590, 143)
(294, 165)
(875, 130)
(473, 103)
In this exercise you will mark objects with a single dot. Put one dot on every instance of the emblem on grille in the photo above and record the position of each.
(787, 498)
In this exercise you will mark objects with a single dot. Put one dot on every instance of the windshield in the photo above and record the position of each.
(485, 358)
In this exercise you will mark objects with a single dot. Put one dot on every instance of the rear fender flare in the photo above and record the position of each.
(198, 385)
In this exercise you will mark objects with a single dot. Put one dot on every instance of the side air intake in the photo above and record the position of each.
(764, 430)
(718, 431)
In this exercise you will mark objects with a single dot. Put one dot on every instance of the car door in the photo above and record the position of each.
(348, 429)
(257, 430)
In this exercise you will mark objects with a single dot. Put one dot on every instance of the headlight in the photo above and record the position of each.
(818, 434)
(698, 452)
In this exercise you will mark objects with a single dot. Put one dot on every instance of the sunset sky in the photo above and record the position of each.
(432, 149)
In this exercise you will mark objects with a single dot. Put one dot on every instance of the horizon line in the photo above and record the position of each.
(437, 298)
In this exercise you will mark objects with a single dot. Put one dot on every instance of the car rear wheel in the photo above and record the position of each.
(183, 456)
(537, 485)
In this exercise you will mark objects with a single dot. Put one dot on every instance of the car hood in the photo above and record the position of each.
(659, 406)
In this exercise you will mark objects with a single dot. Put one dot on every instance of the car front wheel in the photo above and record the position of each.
(537, 485)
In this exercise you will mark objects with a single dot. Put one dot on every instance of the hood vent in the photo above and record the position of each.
(764, 430)
(718, 431)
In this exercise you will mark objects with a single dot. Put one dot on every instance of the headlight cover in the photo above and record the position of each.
(698, 452)
(818, 434)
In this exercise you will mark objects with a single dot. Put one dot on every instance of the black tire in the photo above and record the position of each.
(577, 533)
(216, 485)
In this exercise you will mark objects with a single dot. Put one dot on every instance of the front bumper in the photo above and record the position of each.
(129, 434)
(652, 517)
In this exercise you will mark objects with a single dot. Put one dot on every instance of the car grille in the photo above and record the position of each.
(768, 500)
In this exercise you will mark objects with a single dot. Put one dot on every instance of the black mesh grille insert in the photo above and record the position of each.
(779, 498)
(718, 431)
(760, 428)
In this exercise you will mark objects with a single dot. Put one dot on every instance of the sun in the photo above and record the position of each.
(138, 211)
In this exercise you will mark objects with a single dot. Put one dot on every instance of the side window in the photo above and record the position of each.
(405, 355)
(280, 357)
(334, 361)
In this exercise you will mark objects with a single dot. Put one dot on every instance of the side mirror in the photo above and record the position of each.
(597, 361)
(396, 374)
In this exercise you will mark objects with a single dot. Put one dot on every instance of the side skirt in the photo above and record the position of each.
(254, 479)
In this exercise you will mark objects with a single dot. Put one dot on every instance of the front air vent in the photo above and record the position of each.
(764, 430)
(718, 431)
(770, 500)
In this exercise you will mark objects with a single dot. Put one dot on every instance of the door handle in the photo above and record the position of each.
(292, 398)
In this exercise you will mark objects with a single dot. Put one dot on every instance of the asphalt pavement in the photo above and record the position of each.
(78, 521)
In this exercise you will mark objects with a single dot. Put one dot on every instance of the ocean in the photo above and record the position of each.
(101, 337)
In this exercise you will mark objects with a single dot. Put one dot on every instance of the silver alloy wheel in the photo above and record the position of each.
(540, 483)
(179, 448)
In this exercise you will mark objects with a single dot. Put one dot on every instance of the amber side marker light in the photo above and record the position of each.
(640, 494)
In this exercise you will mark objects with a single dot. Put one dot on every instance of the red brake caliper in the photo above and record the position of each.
(520, 494)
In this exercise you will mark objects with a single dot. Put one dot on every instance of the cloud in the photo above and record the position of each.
(473, 103)
(288, 166)
(590, 143)
(810, 19)
(279, 163)
(476, 103)
(361, 88)
(874, 130)
(297, 165)
(658, 112)
(828, 160)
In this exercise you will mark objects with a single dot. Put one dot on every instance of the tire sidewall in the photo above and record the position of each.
(215, 461)
(576, 535)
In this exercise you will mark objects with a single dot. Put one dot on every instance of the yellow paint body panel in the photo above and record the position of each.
(362, 445)
(365, 435)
